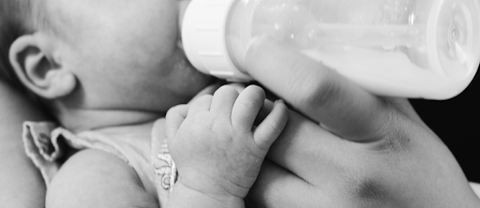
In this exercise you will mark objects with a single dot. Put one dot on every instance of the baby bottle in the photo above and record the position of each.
(408, 48)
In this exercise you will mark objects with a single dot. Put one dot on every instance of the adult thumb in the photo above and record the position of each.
(317, 91)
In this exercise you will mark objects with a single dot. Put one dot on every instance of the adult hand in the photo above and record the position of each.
(21, 183)
(355, 149)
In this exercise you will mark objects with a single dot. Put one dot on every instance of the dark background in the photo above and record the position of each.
(457, 122)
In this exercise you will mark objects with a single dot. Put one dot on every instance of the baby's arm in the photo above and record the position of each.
(217, 148)
(93, 178)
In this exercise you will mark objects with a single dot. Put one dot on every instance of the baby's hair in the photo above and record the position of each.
(14, 16)
(17, 18)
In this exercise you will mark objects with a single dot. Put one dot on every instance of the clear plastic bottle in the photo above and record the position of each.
(408, 48)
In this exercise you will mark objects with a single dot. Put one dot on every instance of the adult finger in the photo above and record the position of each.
(317, 91)
(209, 90)
(313, 153)
(404, 106)
(309, 151)
(277, 187)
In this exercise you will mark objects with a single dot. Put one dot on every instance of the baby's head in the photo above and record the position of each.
(101, 54)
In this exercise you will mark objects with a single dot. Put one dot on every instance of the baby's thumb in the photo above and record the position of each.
(174, 119)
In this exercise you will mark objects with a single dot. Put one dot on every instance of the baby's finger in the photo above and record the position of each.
(200, 104)
(174, 118)
(272, 126)
(246, 107)
(223, 100)
(209, 90)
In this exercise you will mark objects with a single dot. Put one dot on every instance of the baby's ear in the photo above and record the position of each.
(38, 71)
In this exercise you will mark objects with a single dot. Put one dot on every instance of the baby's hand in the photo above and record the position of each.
(214, 143)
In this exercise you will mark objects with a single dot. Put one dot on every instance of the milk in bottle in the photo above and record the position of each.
(408, 48)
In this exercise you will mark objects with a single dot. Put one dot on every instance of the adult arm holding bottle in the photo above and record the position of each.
(20, 182)
(356, 150)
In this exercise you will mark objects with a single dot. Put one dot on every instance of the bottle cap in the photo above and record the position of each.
(204, 39)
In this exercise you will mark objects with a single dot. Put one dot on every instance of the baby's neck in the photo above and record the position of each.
(82, 120)
(78, 119)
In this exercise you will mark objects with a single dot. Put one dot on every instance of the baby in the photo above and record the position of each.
(109, 70)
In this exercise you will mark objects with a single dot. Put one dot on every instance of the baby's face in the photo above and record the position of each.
(126, 51)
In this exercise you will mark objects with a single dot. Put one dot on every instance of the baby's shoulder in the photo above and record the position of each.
(93, 178)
